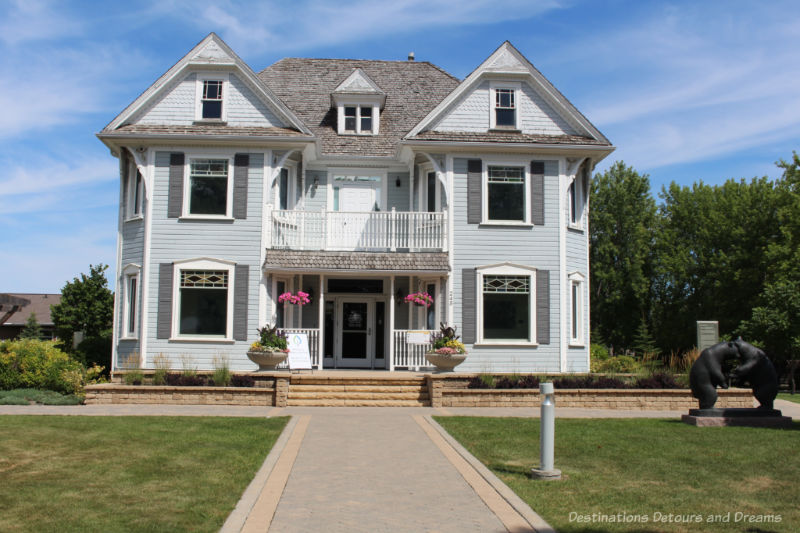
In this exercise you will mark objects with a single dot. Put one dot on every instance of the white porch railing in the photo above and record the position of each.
(370, 231)
(410, 356)
(313, 344)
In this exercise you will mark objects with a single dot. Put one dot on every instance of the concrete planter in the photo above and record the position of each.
(445, 363)
(267, 360)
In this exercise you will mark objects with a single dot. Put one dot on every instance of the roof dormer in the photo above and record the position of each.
(358, 101)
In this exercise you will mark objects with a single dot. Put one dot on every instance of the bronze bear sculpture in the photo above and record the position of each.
(706, 374)
(756, 369)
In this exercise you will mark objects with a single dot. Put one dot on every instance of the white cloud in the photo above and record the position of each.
(696, 83)
(24, 21)
(281, 26)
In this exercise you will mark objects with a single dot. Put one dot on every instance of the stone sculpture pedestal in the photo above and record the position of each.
(758, 418)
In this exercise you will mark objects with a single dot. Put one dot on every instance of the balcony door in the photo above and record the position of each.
(355, 199)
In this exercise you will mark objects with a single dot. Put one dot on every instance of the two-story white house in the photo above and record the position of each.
(359, 183)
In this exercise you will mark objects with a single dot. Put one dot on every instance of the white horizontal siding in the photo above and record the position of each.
(537, 117)
(536, 247)
(471, 113)
(173, 240)
(175, 107)
(245, 109)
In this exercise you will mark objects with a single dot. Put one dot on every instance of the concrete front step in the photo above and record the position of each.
(400, 395)
(342, 402)
(355, 387)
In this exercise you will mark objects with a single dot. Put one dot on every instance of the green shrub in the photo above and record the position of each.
(623, 364)
(222, 372)
(161, 364)
(44, 397)
(35, 364)
(133, 377)
(598, 354)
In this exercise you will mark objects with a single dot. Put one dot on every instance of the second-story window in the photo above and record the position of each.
(211, 101)
(208, 182)
(506, 192)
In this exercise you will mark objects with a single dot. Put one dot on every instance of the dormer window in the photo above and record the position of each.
(358, 102)
(504, 105)
(212, 99)
(357, 119)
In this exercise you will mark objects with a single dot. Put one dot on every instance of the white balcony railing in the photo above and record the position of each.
(410, 356)
(348, 231)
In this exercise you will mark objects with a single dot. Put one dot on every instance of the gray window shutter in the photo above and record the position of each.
(241, 163)
(164, 328)
(175, 198)
(240, 293)
(537, 192)
(474, 202)
(543, 307)
(468, 325)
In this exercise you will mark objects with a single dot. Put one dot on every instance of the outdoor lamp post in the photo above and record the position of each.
(546, 435)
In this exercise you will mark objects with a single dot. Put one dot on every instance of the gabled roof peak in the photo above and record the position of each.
(358, 83)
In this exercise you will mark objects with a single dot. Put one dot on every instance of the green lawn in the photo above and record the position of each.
(644, 467)
(71, 473)
(790, 397)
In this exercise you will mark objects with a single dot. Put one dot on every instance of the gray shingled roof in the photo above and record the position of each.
(504, 137)
(37, 303)
(412, 90)
(379, 261)
(206, 129)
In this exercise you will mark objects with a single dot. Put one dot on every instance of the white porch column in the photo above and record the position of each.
(391, 322)
(321, 322)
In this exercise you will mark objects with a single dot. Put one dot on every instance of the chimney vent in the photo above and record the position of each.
(411, 56)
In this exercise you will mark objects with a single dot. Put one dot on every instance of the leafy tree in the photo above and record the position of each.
(86, 305)
(622, 219)
(775, 321)
(712, 260)
(32, 329)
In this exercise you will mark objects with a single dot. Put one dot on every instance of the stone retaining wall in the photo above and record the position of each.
(112, 393)
(633, 399)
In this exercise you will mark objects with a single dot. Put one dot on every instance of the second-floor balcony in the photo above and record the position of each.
(381, 231)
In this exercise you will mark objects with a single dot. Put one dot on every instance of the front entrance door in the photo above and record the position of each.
(356, 333)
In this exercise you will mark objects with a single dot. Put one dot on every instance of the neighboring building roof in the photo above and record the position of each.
(412, 90)
(504, 137)
(351, 261)
(37, 303)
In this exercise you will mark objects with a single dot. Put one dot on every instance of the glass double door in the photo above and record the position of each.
(360, 333)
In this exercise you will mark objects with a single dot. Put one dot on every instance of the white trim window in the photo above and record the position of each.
(506, 304)
(208, 188)
(428, 317)
(576, 309)
(504, 105)
(505, 194)
(135, 192)
(358, 119)
(130, 306)
(211, 90)
(429, 192)
(575, 203)
(203, 299)
(286, 188)
(281, 316)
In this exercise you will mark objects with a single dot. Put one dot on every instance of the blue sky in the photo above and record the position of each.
(687, 91)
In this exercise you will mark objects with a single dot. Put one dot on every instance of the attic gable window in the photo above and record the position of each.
(504, 105)
(212, 99)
